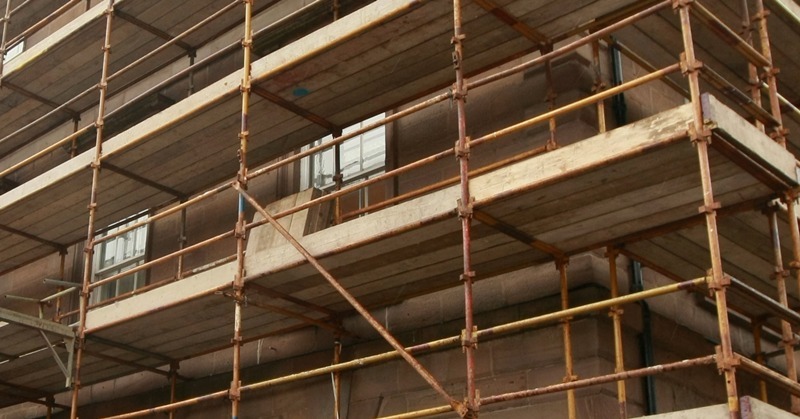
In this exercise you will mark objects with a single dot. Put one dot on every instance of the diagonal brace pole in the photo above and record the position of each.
(421, 370)
(55, 355)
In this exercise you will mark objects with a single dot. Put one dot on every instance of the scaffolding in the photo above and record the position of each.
(177, 156)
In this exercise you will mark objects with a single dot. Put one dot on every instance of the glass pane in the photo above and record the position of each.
(118, 255)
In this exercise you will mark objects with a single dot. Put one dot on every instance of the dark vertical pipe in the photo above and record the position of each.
(645, 339)
(618, 105)
(620, 110)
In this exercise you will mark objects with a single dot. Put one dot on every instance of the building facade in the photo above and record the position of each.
(399, 208)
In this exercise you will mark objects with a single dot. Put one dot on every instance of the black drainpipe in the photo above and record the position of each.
(618, 102)
(637, 284)
(645, 340)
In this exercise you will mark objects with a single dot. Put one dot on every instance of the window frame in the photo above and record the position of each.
(140, 255)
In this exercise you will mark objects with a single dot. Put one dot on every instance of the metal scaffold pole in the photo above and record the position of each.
(569, 367)
(550, 98)
(6, 19)
(701, 137)
(598, 86)
(754, 79)
(778, 133)
(89, 249)
(779, 275)
(234, 393)
(616, 315)
(757, 326)
(468, 337)
(365, 314)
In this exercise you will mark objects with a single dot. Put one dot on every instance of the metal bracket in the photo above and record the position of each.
(677, 4)
(724, 363)
(779, 273)
(708, 209)
(723, 283)
(69, 344)
(470, 341)
(465, 211)
(462, 151)
(234, 393)
(690, 67)
(458, 92)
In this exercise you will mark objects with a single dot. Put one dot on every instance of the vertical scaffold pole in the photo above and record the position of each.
(336, 378)
(616, 316)
(779, 276)
(598, 87)
(468, 337)
(757, 324)
(89, 249)
(241, 233)
(6, 21)
(779, 133)
(701, 137)
(569, 369)
(62, 276)
(752, 71)
(550, 98)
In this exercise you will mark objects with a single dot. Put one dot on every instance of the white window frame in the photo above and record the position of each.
(313, 170)
(14, 50)
(130, 249)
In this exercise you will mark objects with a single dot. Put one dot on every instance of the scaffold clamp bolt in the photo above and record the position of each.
(470, 341)
(467, 275)
(677, 4)
(234, 393)
(708, 209)
(456, 60)
(462, 151)
(465, 211)
(688, 67)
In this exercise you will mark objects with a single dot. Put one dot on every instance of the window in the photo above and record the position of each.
(361, 157)
(14, 50)
(118, 255)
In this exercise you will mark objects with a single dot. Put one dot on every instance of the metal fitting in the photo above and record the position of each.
(465, 211)
(709, 209)
(462, 151)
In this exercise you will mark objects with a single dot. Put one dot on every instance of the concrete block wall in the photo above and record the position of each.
(530, 359)
(507, 102)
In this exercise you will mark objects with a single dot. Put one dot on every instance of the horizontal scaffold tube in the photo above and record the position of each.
(587, 382)
(445, 343)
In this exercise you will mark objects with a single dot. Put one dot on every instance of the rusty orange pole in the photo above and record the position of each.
(337, 378)
(778, 133)
(616, 315)
(752, 71)
(779, 275)
(551, 96)
(89, 249)
(234, 393)
(469, 341)
(598, 86)
(701, 136)
(757, 324)
(6, 19)
(561, 265)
